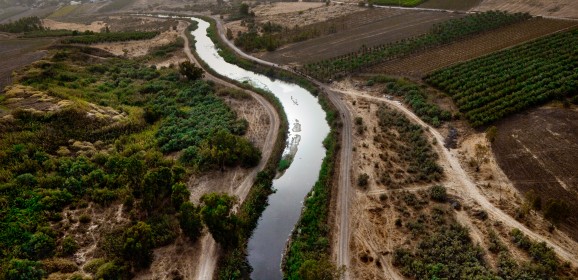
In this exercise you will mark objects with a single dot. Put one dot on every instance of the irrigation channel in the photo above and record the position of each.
(307, 129)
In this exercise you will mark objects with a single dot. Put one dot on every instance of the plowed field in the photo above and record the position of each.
(538, 151)
(553, 8)
(419, 64)
(370, 27)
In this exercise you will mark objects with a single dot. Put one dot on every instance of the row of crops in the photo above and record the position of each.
(439, 34)
(489, 88)
(96, 38)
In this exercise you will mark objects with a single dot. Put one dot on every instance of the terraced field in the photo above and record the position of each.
(419, 64)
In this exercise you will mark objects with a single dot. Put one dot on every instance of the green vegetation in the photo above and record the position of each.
(443, 249)
(164, 51)
(96, 38)
(416, 97)
(416, 154)
(489, 88)
(403, 3)
(105, 147)
(447, 253)
(443, 33)
(25, 24)
(308, 250)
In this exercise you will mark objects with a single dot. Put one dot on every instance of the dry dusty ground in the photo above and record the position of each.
(291, 14)
(17, 53)
(538, 151)
(374, 211)
(140, 48)
(553, 8)
(369, 27)
(96, 26)
(420, 64)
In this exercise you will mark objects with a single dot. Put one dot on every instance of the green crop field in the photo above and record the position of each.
(404, 3)
(488, 88)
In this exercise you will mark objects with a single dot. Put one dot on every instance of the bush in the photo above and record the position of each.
(363, 180)
(84, 218)
(438, 193)
(68, 246)
(190, 221)
(23, 270)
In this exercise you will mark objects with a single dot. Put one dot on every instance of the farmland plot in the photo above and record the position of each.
(419, 64)
(366, 28)
(553, 8)
(538, 151)
(488, 88)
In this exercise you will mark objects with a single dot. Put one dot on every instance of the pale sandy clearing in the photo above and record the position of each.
(95, 26)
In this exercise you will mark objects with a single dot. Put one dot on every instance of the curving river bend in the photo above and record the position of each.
(307, 129)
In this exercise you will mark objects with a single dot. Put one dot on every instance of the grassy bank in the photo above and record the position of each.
(308, 251)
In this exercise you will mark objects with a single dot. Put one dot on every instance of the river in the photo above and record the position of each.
(307, 129)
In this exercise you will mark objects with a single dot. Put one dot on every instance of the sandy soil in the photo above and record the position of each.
(140, 48)
(552, 8)
(296, 13)
(96, 26)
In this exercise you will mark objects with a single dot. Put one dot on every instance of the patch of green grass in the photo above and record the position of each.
(115, 5)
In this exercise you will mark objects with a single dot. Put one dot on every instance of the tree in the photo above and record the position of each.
(179, 195)
(138, 245)
(39, 246)
(190, 221)
(190, 71)
(23, 270)
(244, 9)
(217, 216)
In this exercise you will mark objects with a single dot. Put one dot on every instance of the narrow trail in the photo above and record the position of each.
(209, 256)
(567, 253)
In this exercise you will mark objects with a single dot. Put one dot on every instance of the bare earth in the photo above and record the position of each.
(96, 26)
(539, 152)
(138, 48)
(552, 8)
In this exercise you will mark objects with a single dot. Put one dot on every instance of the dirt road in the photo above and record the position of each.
(566, 252)
(209, 256)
